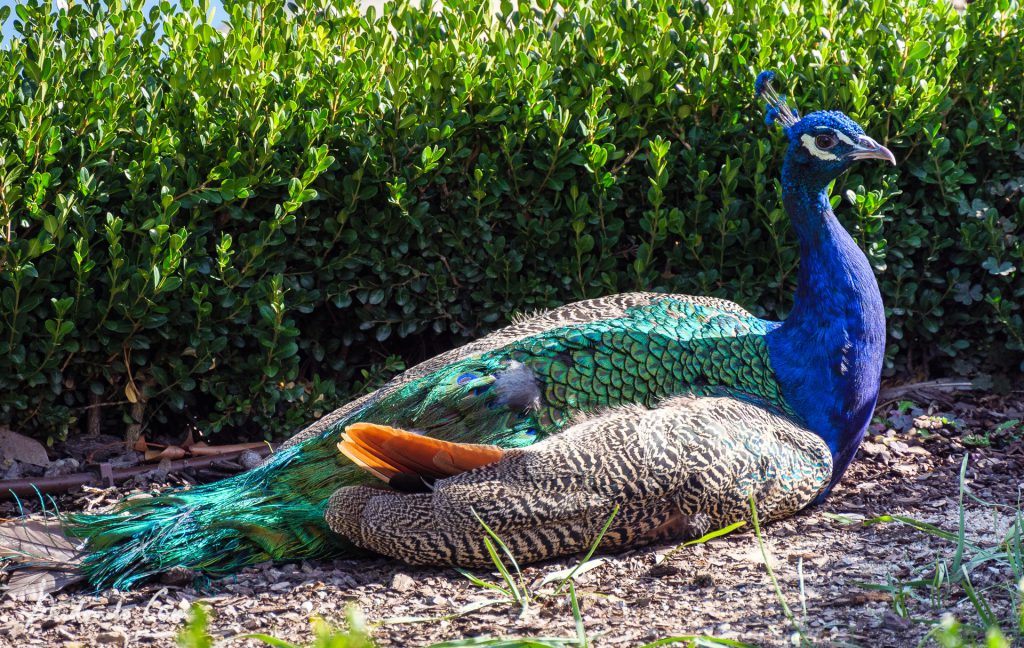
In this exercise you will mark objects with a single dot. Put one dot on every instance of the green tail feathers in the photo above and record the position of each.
(268, 513)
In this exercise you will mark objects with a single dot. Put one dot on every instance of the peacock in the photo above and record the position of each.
(672, 410)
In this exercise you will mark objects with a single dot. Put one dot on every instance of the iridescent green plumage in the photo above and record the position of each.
(639, 348)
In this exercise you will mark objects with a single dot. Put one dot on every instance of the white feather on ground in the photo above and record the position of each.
(38, 558)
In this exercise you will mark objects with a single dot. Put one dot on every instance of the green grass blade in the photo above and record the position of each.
(573, 572)
(702, 641)
(269, 640)
(1020, 607)
(707, 537)
(958, 557)
(491, 642)
(1014, 543)
(593, 548)
(771, 572)
(908, 521)
(994, 638)
(581, 631)
(506, 575)
(711, 535)
(479, 582)
(522, 598)
(980, 605)
(194, 634)
(803, 590)
(462, 611)
(506, 643)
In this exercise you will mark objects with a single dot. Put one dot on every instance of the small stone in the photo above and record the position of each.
(899, 447)
(10, 470)
(343, 581)
(177, 576)
(112, 637)
(249, 459)
(163, 468)
(871, 448)
(703, 580)
(928, 423)
(402, 583)
(61, 467)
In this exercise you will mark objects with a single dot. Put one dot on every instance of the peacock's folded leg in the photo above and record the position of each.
(673, 471)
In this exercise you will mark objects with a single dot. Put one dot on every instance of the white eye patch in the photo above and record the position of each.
(812, 148)
(843, 138)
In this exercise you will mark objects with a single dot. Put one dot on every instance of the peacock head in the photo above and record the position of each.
(821, 145)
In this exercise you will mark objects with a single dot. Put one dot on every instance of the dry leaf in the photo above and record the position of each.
(170, 452)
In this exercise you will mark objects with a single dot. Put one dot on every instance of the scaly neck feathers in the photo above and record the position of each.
(828, 353)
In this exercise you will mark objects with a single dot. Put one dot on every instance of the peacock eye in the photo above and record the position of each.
(824, 141)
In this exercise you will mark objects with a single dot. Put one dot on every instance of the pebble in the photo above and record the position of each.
(113, 637)
(402, 582)
(61, 467)
(249, 459)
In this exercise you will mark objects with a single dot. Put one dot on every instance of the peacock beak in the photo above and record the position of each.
(868, 148)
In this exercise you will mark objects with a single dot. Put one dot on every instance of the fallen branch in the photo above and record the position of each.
(108, 475)
(941, 386)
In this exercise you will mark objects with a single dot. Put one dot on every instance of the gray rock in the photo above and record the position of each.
(402, 583)
(62, 467)
(249, 459)
(18, 447)
(113, 638)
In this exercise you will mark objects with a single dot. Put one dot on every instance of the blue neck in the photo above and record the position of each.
(828, 353)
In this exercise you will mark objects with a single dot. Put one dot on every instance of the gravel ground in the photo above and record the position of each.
(908, 466)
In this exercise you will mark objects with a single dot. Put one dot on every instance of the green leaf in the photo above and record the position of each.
(919, 51)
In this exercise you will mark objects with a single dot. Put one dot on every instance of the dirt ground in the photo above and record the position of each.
(909, 465)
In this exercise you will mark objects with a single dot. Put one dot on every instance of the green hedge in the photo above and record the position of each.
(240, 226)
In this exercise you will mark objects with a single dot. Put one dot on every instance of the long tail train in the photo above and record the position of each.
(270, 512)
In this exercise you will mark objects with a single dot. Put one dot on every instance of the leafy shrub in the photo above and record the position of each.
(232, 226)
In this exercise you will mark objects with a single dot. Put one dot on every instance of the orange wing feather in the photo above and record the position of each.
(386, 452)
